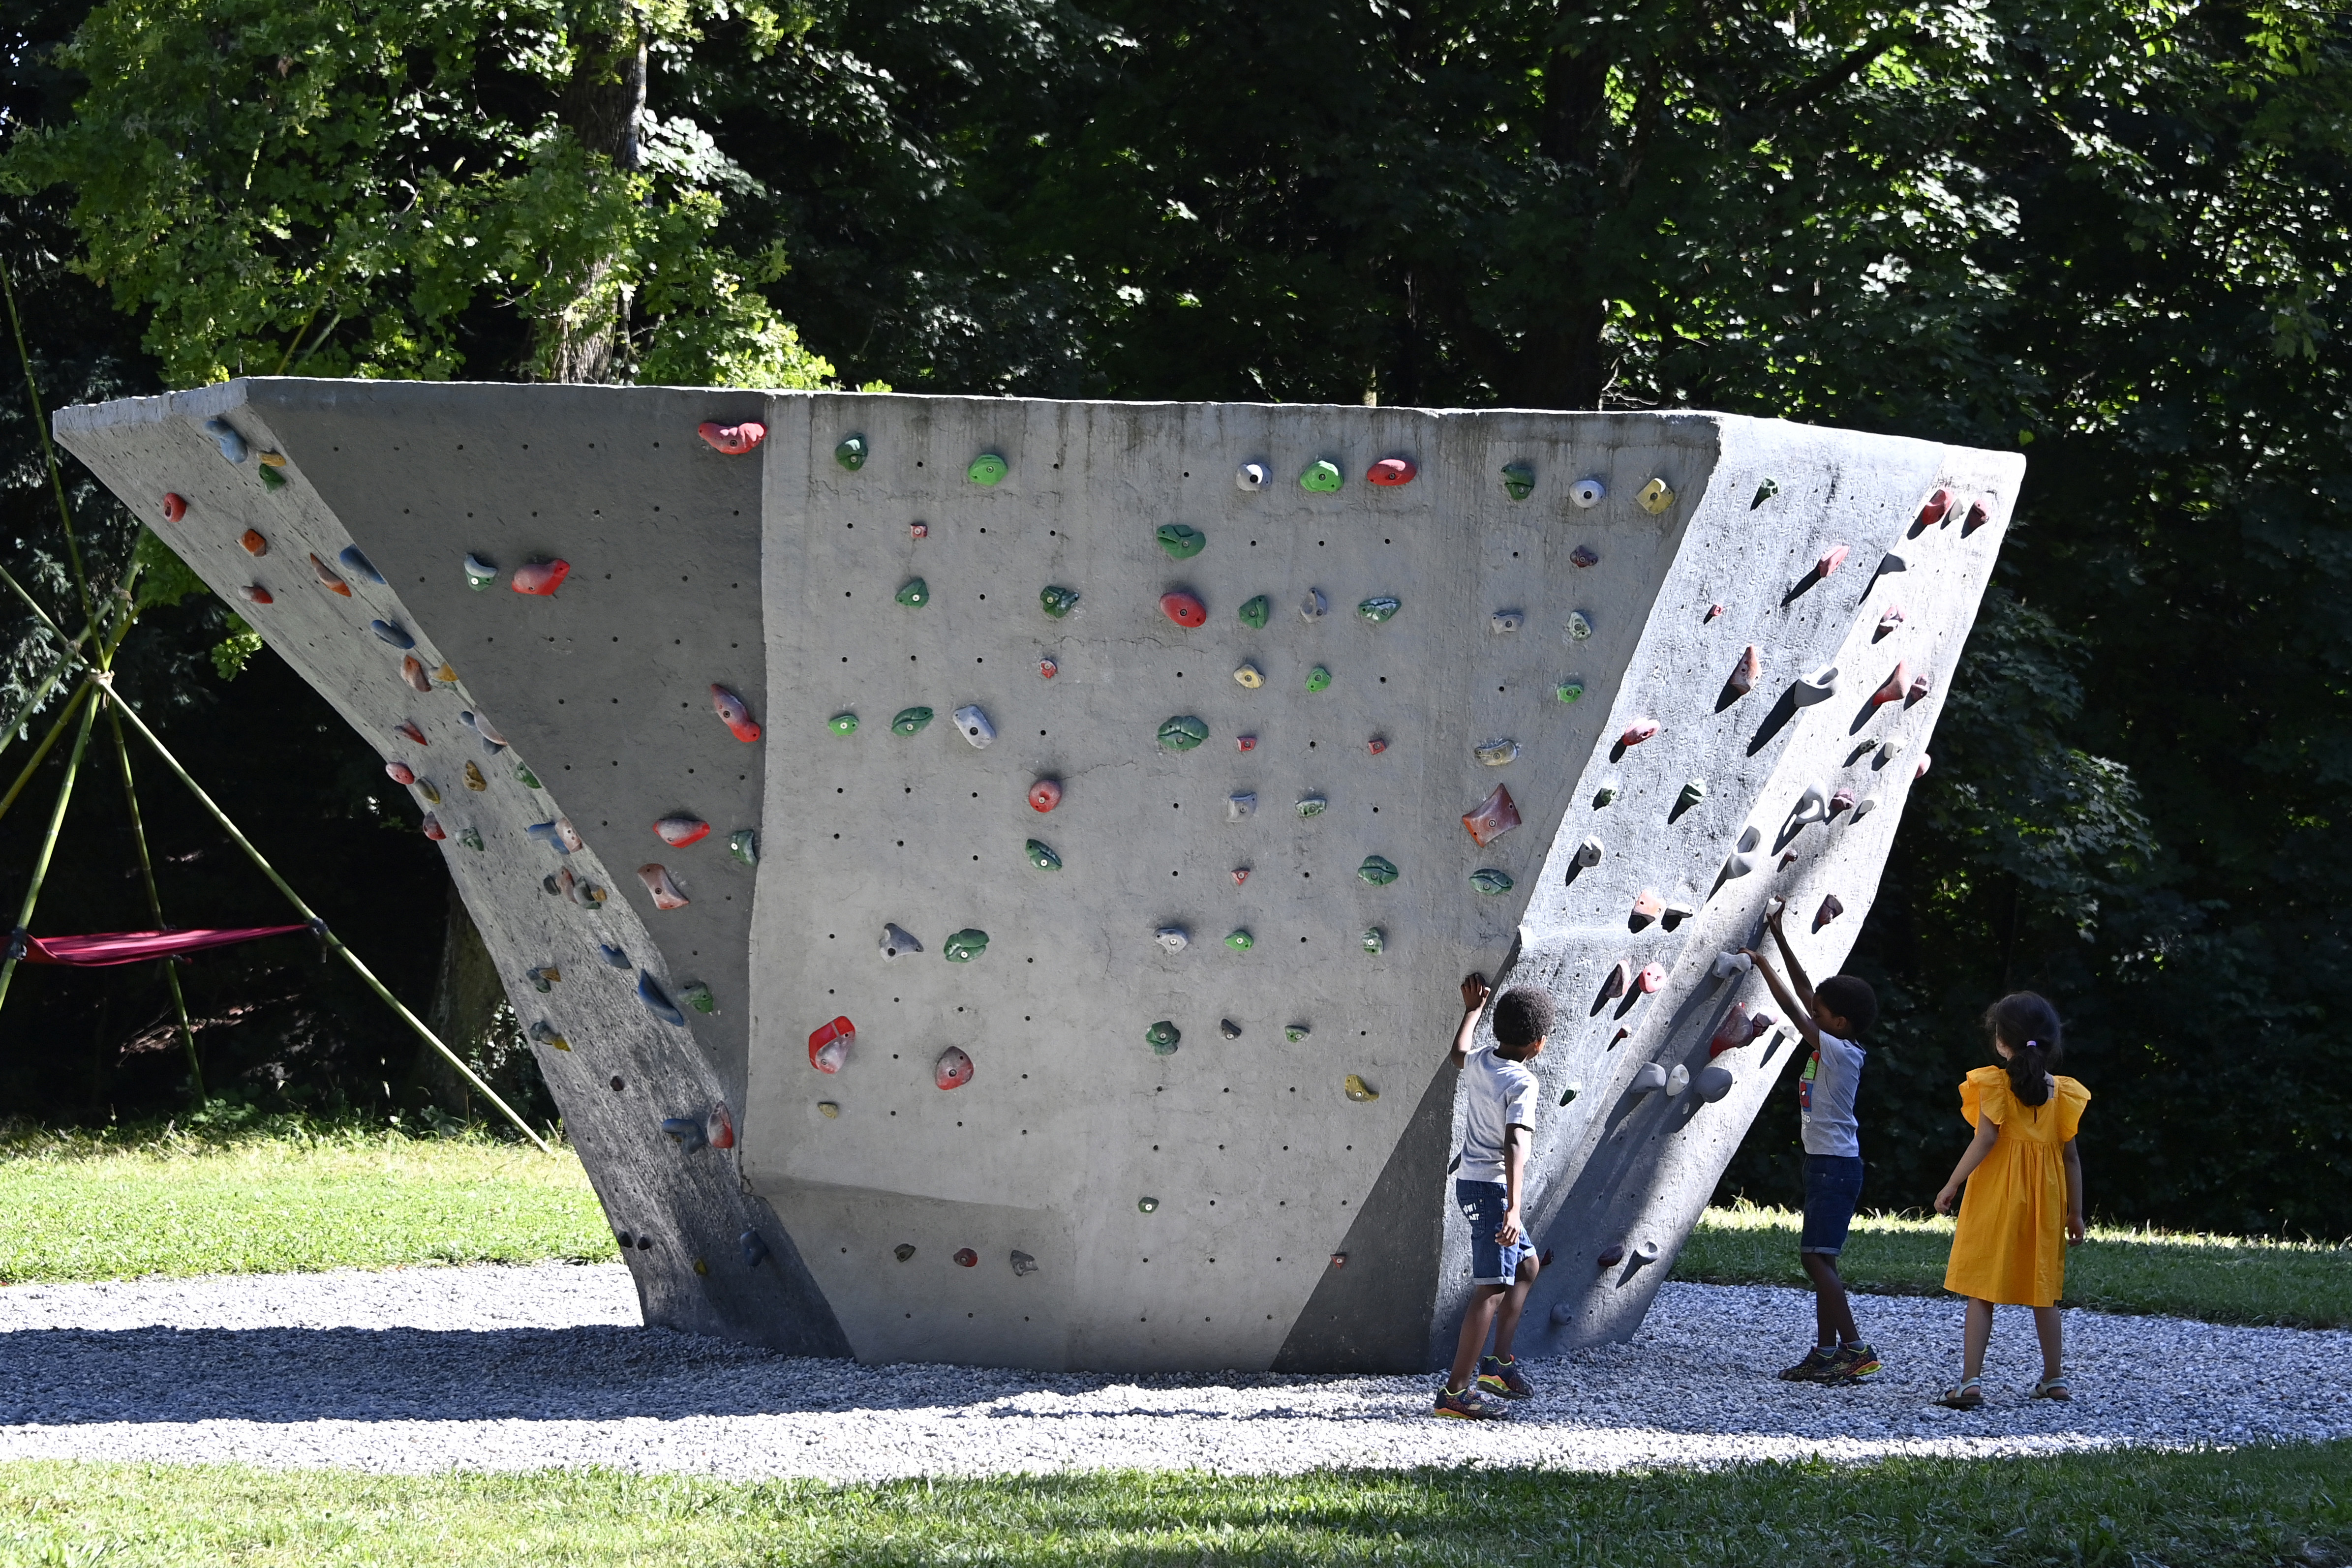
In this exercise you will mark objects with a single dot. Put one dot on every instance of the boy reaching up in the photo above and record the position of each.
(1500, 1099)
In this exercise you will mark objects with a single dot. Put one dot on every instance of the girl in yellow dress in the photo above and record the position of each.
(2024, 1190)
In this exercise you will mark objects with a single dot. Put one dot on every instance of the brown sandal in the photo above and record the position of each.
(1967, 1396)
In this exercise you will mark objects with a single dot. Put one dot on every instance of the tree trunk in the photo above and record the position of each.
(600, 105)
(467, 992)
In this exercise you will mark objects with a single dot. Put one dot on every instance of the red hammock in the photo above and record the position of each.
(132, 946)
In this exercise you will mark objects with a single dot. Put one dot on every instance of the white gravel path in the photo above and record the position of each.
(493, 1368)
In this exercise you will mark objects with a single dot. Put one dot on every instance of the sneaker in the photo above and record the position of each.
(1815, 1367)
(1497, 1375)
(1852, 1363)
(1471, 1404)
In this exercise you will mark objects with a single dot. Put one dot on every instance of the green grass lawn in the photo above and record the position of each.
(2215, 1510)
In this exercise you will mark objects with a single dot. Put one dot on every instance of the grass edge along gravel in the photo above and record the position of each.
(2213, 1508)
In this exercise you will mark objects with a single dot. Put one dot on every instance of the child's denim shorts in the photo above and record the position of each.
(1832, 1186)
(1483, 1204)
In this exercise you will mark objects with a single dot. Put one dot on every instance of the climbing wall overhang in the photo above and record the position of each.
(1136, 794)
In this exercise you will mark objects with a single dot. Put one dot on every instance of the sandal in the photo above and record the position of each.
(1967, 1396)
(2053, 1388)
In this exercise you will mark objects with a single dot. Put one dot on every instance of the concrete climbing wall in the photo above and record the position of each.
(1113, 780)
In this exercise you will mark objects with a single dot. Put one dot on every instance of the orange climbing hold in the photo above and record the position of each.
(1044, 795)
(1648, 905)
(1933, 511)
(1492, 818)
(326, 574)
(734, 440)
(658, 882)
(1831, 558)
(541, 577)
(1748, 671)
(412, 670)
(738, 715)
(1392, 471)
(953, 1068)
(401, 772)
(175, 506)
(1184, 608)
(254, 593)
(254, 543)
(829, 1045)
(411, 731)
(679, 832)
(1891, 690)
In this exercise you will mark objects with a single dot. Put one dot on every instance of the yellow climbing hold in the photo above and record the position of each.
(1361, 1091)
(1656, 496)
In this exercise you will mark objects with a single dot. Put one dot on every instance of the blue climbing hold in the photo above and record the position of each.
(232, 444)
(551, 835)
(755, 1249)
(355, 562)
(688, 1132)
(613, 955)
(657, 1000)
(392, 634)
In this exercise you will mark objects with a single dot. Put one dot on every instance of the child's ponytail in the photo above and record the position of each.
(2029, 1026)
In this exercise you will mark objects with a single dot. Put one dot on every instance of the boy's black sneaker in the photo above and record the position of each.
(1471, 1404)
(1852, 1363)
(1497, 1375)
(1815, 1368)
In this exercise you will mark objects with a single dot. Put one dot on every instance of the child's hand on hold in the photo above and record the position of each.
(1474, 992)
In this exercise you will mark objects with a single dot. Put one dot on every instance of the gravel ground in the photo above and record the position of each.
(498, 1368)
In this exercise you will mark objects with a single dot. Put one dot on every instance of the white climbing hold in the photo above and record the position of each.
(1813, 805)
(1817, 687)
(1726, 964)
(1738, 864)
(1173, 938)
(1677, 1081)
(1496, 753)
(1650, 1079)
(1680, 907)
(1864, 807)
(898, 943)
(1889, 749)
(1579, 627)
(1751, 839)
(1588, 492)
(1506, 621)
(1248, 675)
(1312, 606)
(1250, 476)
(1240, 806)
(974, 726)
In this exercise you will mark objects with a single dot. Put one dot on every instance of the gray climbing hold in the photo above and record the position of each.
(1817, 687)
(898, 941)
(1503, 621)
(1650, 1079)
(1312, 805)
(1578, 626)
(1313, 605)
(1496, 753)
(974, 726)
(1173, 938)
(903, 1251)
(1229, 1029)
(1023, 1264)
(1240, 806)
(1713, 1083)
(1588, 852)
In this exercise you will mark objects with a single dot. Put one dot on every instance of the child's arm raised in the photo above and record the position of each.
(1800, 1016)
(1474, 992)
(2075, 1211)
(1788, 955)
(1978, 1148)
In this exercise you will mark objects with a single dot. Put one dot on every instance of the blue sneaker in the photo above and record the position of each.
(1497, 1375)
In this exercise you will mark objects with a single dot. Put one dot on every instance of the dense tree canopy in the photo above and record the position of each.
(2113, 233)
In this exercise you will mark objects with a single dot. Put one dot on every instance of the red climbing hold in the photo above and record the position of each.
(1979, 513)
(918, 530)
(1241, 874)
(326, 575)
(1378, 744)
(1392, 471)
(829, 1045)
(737, 714)
(1733, 1033)
(1245, 743)
(541, 577)
(411, 731)
(1841, 801)
(1920, 686)
(1048, 668)
(1891, 690)
(679, 832)
(1652, 976)
(412, 670)
(1748, 671)
(175, 506)
(1831, 558)
(722, 1127)
(732, 439)
(401, 772)
(1044, 795)
(965, 1258)
(1921, 771)
(1932, 512)
(1184, 608)
(953, 1068)
(1492, 818)
(658, 882)
(254, 593)
(1712, 611)
(254, 543)
(1640, 730)
(1619, 979)
(1831, 909)
(433, 829)
(1648, 905)
(1890, 618)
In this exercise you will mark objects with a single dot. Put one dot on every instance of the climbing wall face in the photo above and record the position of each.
(1126, 788)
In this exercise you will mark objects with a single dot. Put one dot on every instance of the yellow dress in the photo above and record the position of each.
(2011, 1246)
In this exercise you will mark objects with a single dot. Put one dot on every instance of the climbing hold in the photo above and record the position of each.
(658, 882)
(964, 945)
(1183, 733)
(1726, 964)
(1891, 689)
(529, 780)
(1583, 555)
(327, 576)
(1692, 793)
(1505, 622)
(902, 1251)
(409, 730)
(1813, 805)
(1605, 793)
(743, 844)
(696, 995)
(1147, 1205)
(1738, 1029)
(734, 440)
(1492, 818)
(679, 832)
(1229, 1029)
(1239, 806)
(1164, 1037)
(1652, 976)
(1889, 749)
(910, 720)
(1921, 685)
(412, 670)
(850, 452)
(1648, 905)
(544, 1034)
(433, 829)
(479, 573)
(1255, 612)
(1764, 492)
(842, 723)
(1588, 852)
(1339, 1260)
(1312, 606)
(1640, 730)
(1518, 481)
(1180, 540)
(1830, 910)
(687, 1131)
(1677, 1081)
(1023, 1264)
(831, 1111)
(828, 1044)
(1713, 1083)
(1317, 678)
(1378, 870)
(1250, 476)
(1241, 874)
(175, 506)
(474, 780)
(913, 594)
(1649, 1079)
(1249, 675)
(1047, 668)
(1569, 691)
(1921, 771)
(1239, 940)
(988, 468)
(254, 593)
(1737, 865)
(1712, 611)
(1864, 807)
(445, 674)
(1496, 753)
(1184, 608)
(1377, 745)
(1831, 559)
(1044, 795)
(1322, 477)
(918, 530)
(271, 479)
(1490, 880)
(1890, 618)
(483, 728)
(1656, 498)
(1245, 743)
(1588, 492)
(1817, 687)
(540, 578)
(658, 1002)
(1312, 805)
(1378, 608)
(1618, 979)
(471, 838)
(232, 444)
(1361, 1092)
(1173, 938)
(1609, 1258)
(253, 542)
(1295, 1033)
(615, 958)
(1979, 513)
(755, 1249)
(973, 726)
(896, 942)
(953, 1070)
(1375, 940)
(1748, 671)
(1057, 602)
(1391, 471)
(1579, 626)
(1041, 855)
(1932, 511)
(547, 833)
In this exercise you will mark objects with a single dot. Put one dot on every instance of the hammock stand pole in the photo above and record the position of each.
(155, 904)
(48, 846)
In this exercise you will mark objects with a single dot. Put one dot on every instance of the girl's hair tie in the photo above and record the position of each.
(2034, 1045)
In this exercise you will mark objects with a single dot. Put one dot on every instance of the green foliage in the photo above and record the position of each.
(232, 653)
(162, 578)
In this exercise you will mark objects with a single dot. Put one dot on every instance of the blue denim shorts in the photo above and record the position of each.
(1483, 1204)
(1832, 1186)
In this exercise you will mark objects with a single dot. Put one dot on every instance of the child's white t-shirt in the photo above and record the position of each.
(1495, 1094)
(1825, 1098)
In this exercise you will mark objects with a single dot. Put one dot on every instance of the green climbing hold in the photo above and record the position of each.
(698, 997)
(1375, 940)
(1058, 602)
(529, 780)
(1518, 481)
(1569, 691)
(988, 468)
(910, 720)
(1491, 881)
(1041, 856)
(271, 479)
(1378, 870)
(1182, 541)
(915, 594)
(1162, 1037)
(1765, 492)
(1183, 733)
(1322, 476)
(470, 837)
(1312, 805)
(1256, 612)
(1379, 609)
(743, 844)
(1317, 678)
(1692, 793)
(1240, 941)
(842, 723)
(1295, 1033)
(851, 452)
(964, 945)
(1147, 1205)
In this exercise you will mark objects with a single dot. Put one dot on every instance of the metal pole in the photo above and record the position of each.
(155, 903)
(41, 863)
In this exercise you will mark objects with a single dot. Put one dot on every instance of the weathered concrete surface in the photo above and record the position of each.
(1262, 1166)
